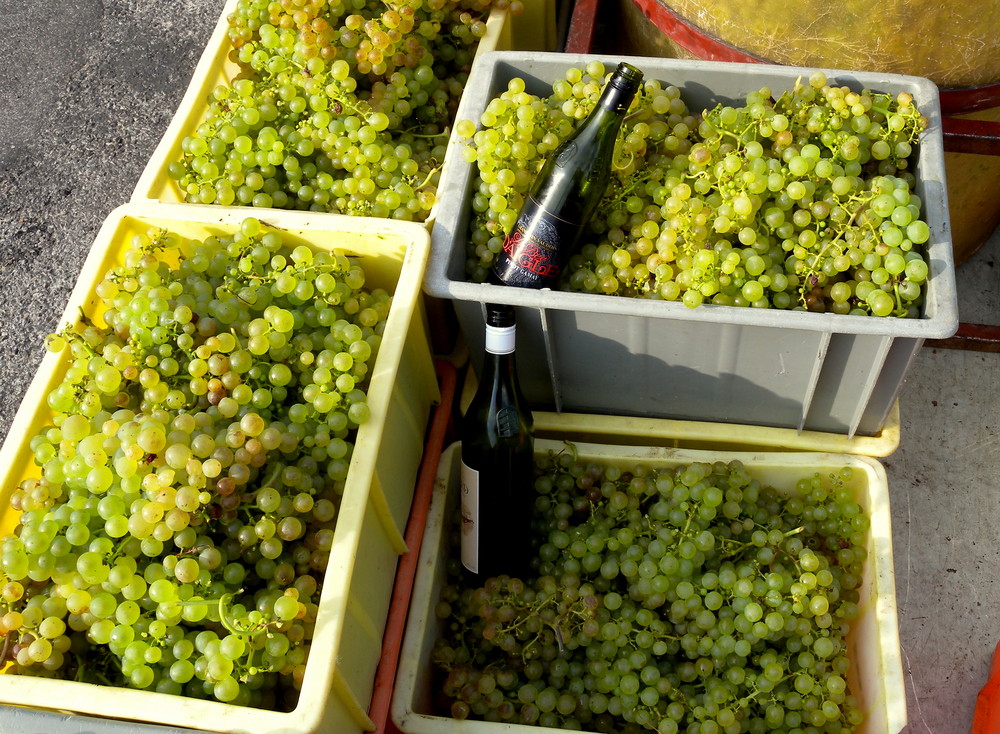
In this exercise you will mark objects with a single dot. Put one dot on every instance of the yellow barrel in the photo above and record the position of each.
(955, 45)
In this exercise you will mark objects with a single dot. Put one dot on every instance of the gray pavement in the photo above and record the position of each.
(89, 89)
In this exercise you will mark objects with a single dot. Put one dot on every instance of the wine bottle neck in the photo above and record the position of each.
(616, 97)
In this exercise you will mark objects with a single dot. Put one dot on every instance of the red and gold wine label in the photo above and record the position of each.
(533, 252)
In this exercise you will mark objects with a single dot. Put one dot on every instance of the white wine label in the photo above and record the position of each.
(470, 518)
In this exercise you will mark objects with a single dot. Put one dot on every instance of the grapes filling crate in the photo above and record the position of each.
(218, 68)
(795, 369)
(375, 481)
(874, 674)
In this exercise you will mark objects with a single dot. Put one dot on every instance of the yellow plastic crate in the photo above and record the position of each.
(704, 434)
(537, 28)
(692, 434)
(876, 677)
(215, 67)
(368, 538)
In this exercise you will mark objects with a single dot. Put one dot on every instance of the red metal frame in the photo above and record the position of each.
(982, 138)
(960, 135)
(439, 435)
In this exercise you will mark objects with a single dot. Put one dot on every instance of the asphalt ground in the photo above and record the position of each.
(88, 92)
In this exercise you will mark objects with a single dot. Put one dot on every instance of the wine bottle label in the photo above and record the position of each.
(531, 253)
(470, 518)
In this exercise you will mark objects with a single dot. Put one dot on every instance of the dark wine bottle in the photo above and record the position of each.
(566, 191)
(497, 461)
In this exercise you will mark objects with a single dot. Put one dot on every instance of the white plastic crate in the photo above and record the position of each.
(601, 354)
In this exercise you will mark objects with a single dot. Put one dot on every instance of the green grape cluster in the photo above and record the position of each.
(517, 130)
(338, 106)
(804, 200)
(691, 599)
(175, 535)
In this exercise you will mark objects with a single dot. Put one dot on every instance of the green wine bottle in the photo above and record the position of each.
(566, 191)
(497, 461)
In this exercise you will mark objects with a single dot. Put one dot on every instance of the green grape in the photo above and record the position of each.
(778, 181)
(334, 108)
(719, 634)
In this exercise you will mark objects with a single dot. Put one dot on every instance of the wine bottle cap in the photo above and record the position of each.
(500, 330)
(500, 315)
(626, 76)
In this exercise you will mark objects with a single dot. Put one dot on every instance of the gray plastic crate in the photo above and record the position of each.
(603, 354)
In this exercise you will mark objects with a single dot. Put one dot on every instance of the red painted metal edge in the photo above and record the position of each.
(981, 137)
(970, 337)
(691, 38)
(437, 435)
(582, 24)
(970, 99)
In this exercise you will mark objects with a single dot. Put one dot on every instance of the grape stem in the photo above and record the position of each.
(232, 625)
(427, 179)
(746, 700)
(813, 270)
(273, 475)
(7, 644)
(81, 667)
(270, 225)
(643, 113)
(430, 136)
